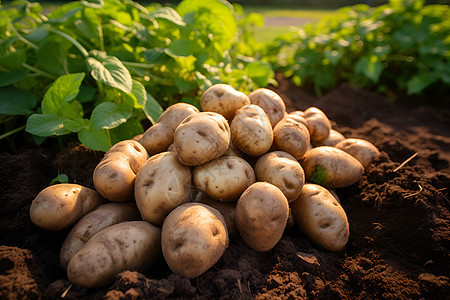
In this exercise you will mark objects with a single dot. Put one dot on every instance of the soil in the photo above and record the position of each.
(399, 220)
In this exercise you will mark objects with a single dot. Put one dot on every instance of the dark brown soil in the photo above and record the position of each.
(399, 220)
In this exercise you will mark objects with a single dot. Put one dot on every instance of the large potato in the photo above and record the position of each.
(319, 125)
(321, 217)
(103, 216)
(333, 138)
(223, 99)
(331, 167)
(283, 171)
(59, 206)
(251, 131)
(224, 178)
(362, 150)
(162, 184)
(261, 215)
(194, 237)
(292, 137)
(201, 137)
(114, 176)
(270, 102)
(134, 245)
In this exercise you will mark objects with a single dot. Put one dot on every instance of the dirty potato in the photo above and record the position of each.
(362, 150)
(270, 102)
(319, 125)
(292, 137)
(333, 138)
(223, 99)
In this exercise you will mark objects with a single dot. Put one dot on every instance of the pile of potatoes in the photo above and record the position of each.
(241, 168)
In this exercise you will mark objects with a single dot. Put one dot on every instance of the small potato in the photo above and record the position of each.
(261, 216)
(333, 138)
(201, 137)
(114, 176)
(223, 99)
(103, 216)
(134, 245)
(362, 150)
(158, 137)
(321, 217)
(270, 102)
(298, 116)
(162, 184)
(292, 137)
(283, 171)
(319, 125)
(194, 237)
(251, 131)
(331, 167)
(59, 206)
(224, 178)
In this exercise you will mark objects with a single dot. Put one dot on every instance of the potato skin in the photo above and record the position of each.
(224, 178)
(59, 206)
(362, 150)
(261, 215)
(134, 245)
(321, 217)
(114, 176)
(103, 216)
(333, 138)
(201, 137)
(162, 184)
(270, 102)
(319, 125)
(194, 237)
(223, 99)
(292, 137)
(298, 116)
(331, 167)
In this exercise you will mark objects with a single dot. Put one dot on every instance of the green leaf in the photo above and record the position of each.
(12, 76)
(155, 55)
(46, 125)
(76, 124)
(139, 93)
(126, 131)
(370, 66)
(183, 47)
(152, 109)
(52, 56)
(419, 82)
(14, 101)
(86, 93)
(61, 178)
(259, 72)
(88, 24)
(108, 115)
(185, 86)
(64, 89)
(169, 14)
(95, 139)
(14, 59)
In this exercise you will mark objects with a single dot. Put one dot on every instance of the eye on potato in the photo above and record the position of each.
(292, 137)
(333, 138)
(270, 102)
(223, 99)
(114, 176)
(362, 150)
(321, 217)
(319, 125)
(59, 206)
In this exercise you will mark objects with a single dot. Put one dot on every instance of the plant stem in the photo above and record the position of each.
(137, 65)
(5, 135)
(70, 39)
(39, 72)
(32, 45)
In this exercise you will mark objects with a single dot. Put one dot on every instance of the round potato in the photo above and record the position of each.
(333, 138)
(223, 99)
(114, 176)
(224, 178)
(362, 150)
(292, 137)
(134, 245)
(283, 171)
(59, 206)
(201, 137)
(251, 131)
(298, 116)
(162, 184)
(319, 125)
(261, 215)
(321, 217)
(331, 167)
(194, 237)
(270, 102)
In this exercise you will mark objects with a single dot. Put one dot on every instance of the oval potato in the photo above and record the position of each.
(270, 102)
(319, 125)
(362, 150)
(292, 137)
(223, 99)
(333, 138)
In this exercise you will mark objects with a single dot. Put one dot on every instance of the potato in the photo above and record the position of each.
(270, 102)
(233, 151)
(224, 178)
(292, 137)
(134, 245)
(298, 116)
(114, 176)
(103, 216)
(331, 167)
(59, 206)
(162, 184)
(158, 137)
(362, 150)
(251, 131)
(201, 137)
(223, 99)
(194, 237)
(283, 171)
(333, 138)
(321, 217)
(290, 221)
(261, 215)
(319, 125)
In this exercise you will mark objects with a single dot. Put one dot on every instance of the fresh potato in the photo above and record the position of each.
(319, 125)
(261, 215)
(103, 216)
(162, 184)
(223, 99)
(59, 206)
(331, 167)
(321, 217)
(292, 137)
(333, 138)
(158, 137)
(362, 150)
(298, 116)
(201, 137)
(114, 176)
(224, 178)
(134, 245)
(283, 171)
(194, 237)
(251, 131)
(270, 102)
